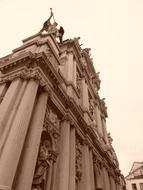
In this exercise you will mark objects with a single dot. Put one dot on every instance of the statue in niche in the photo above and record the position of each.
(42, 166)
(78, 82)
(78, 162)
(52, 28)
(91, 106)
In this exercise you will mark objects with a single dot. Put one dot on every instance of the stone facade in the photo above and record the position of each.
(53, 133)
(134, 180)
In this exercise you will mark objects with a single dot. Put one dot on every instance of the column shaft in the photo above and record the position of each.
(64, 156)
(8, 102)
(12, 115)
(106, 179)
(3, 88)
(86, 179)
(14, 144)
(91, 170)
(72, 160)
(105, 131)
(69, 67)
(32, 142)
(99, 123)
(85, 101)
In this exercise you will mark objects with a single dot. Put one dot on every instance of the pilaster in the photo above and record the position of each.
(64, 157)
(30, 152)
(8, 102)
(72, 172)
(14, 144)
(86, 179)
(91, 170)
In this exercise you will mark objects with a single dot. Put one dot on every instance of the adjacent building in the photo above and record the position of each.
(134, 181)
(53, 133)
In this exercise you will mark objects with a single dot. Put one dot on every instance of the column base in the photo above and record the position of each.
(4, 187)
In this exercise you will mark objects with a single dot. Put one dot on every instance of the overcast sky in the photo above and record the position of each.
(113, 29)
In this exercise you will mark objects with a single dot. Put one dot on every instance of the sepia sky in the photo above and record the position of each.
(113, 30)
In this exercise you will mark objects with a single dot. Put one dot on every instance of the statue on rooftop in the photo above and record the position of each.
(52, 28)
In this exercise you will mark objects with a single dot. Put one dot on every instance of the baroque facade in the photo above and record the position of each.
(53, 133)
(134, 180)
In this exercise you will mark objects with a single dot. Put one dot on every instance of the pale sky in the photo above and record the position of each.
(113, 29)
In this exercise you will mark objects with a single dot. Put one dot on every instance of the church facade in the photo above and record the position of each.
(53, 133)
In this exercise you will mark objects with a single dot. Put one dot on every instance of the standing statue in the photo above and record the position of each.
(52, 28)
(42, 166)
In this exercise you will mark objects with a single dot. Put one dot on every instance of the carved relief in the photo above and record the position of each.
(52, 124)
(78, 161)
(42, 166)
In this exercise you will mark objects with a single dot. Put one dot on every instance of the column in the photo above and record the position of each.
(85, 101)
(86, 177)
(99, 123)
(69, 67)
(112, 183)
(12, 115)
(8, 102)
(74, 72)
(106, 179)
(31, 148)
(105, 131)
(64, 156)
(72, 160)
(91, 170)
(98, 177)
(3, 88)
(14, 144)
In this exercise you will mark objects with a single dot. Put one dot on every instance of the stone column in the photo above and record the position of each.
(31, 148)
(113, 186)
(85, 101)
(74, 72)
(72, 159)
(12, 114)
(99, 123)
(64, 156)
(106, 179)
(3, 88)
(105, 130)
(14, 144)
(86, 176)
(69, 67)
(91, 170)
(8, 102)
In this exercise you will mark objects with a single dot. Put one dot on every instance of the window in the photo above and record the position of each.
(141, 186)
(134, 187)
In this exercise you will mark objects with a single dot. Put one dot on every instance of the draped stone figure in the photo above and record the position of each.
(42, 166)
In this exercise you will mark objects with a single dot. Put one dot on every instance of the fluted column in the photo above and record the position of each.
(8, 102)
(91, 170)
(14, 144)
(72, 160)
(86, 176)
(30, 152)
(64, 156)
